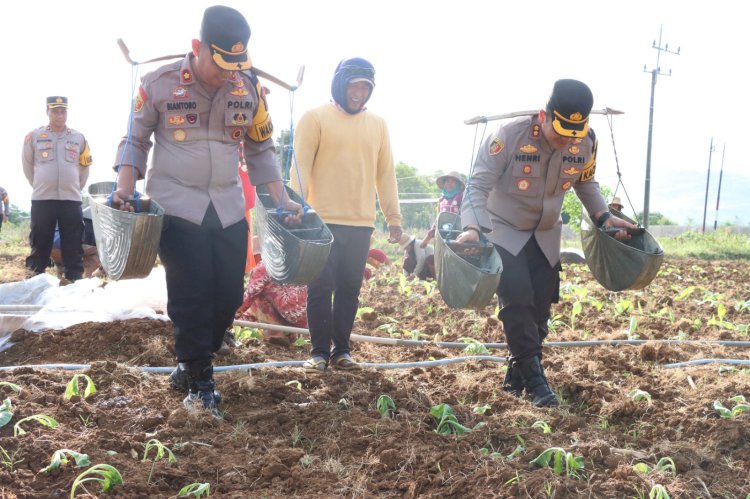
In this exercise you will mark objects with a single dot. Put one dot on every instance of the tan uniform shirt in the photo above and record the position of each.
(56, 164)
(197, 137)
(518, 184)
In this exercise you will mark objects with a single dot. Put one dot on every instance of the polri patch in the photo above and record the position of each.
(496, 147)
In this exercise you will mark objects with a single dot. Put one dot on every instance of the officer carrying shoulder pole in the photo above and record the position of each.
(199, 110)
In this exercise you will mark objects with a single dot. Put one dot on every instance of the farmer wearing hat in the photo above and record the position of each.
(419, 258)
(198, 111)
(616, 204)
(518, 182)
(56, 162)
(452, 185)
(344, 155)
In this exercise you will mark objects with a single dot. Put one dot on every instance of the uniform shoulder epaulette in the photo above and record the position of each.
(161, 71)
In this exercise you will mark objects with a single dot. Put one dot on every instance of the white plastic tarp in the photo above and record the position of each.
(86, 300)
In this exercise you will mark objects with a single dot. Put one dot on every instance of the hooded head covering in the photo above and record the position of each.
(349, 71)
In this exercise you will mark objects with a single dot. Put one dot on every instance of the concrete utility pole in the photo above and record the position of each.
(708, 179)
(718, 194)
(654, 73)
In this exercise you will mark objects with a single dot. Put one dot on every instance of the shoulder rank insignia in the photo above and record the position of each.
(186, 76)
(528, 149)
(496, 147)
(536, 131)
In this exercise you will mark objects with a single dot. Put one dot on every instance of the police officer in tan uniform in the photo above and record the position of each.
(200, 110)
(56, 162)
(515, 197)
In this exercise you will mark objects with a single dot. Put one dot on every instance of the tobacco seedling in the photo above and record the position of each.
(447, 422)
(658, 492)
(106, 475)
(73, 389)
(481, 409)
(639, 395)
(740, 406)
(474, 347)
(520, 448)
(60, 458)
(296, 384)
(664, 465)
(10, 385)
(195, 489)
(545, 427)
(42, 419)
(6, 412)
(386, 406)
(160, 450)
(632, 327)
(560, 461)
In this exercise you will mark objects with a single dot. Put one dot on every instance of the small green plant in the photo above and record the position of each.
(543, 425)
(160, 450)
(560, 461)
(42, 419)
(10, 385)
(8, 459)
(639, 395)
(632, 328)
(105, 474)
(740, 406)
(447, 423)
(664, 465)
(301, 342)
(474, 347)
(296, 384)
(623, 306)
(73, 389)
(481, 409)
(6, 412)
(386, 406)
(364, 310)
(195, 489)
(520, 448)
(658, 491)
(60, 458)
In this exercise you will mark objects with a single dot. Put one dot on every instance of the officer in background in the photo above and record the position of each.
(515, 197)
(6, 207)
(56, 162)
(199, 110)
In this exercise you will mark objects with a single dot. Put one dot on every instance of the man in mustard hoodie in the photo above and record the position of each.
(344, 159)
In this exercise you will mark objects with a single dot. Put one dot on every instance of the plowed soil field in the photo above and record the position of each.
(287, 433)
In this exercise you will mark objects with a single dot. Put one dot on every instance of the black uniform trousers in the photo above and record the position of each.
(528, 287)
(205, 269)
(68, 217)
(333, 297)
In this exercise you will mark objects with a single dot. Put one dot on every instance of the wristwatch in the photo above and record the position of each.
(603, 218)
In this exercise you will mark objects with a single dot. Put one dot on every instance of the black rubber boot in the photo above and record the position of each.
(178, 380)
(536, 382)
(513, 382)
(201, 387)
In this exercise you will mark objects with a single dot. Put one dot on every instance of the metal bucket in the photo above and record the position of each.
(127, 242)
(620, 265)
(464, 281)
(292, 255)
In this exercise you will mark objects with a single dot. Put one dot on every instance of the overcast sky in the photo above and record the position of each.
(437, 65)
